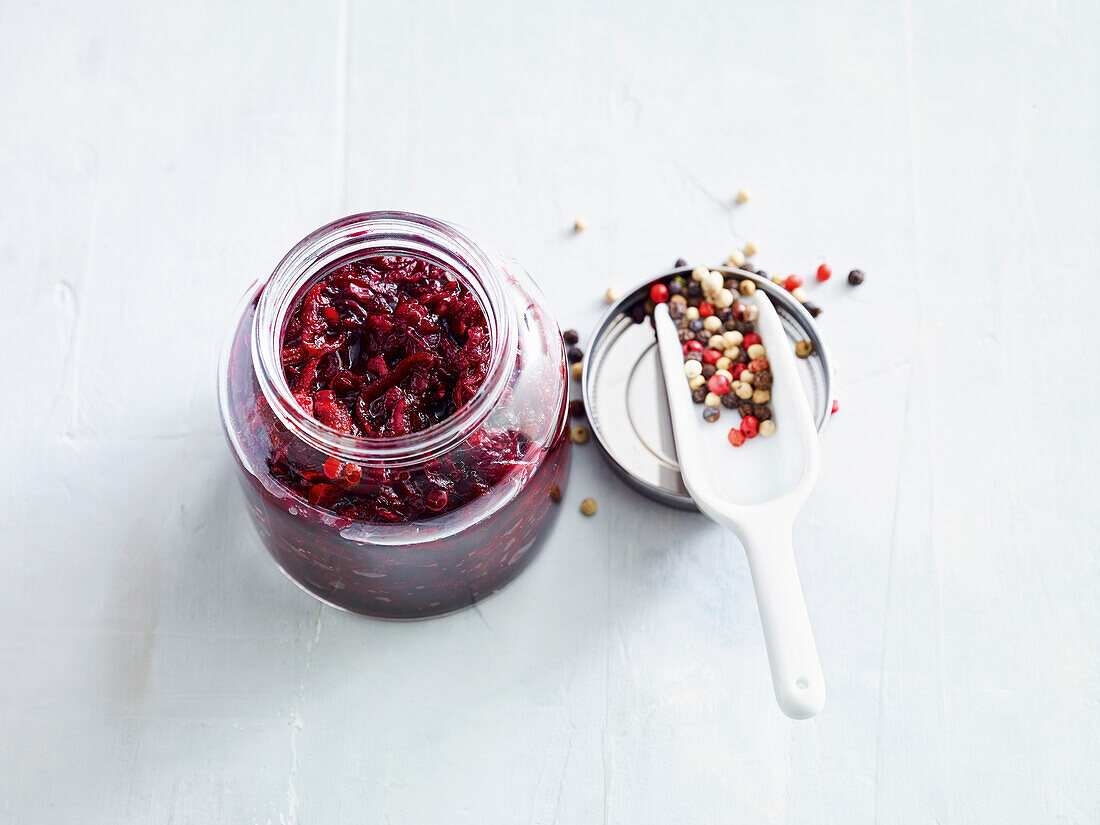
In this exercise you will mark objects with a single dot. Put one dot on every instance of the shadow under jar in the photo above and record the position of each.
(395, 398)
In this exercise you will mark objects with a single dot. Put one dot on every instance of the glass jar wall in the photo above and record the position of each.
(397, 522)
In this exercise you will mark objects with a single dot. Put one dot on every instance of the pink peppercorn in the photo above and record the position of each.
(705, 309)
(736, 437)
(836, 406)
(759, 364)
(658, 293)
(718, 384)
(750, 426)
(793, 282)
(737, 369)
(692, 346)
(332, 467)
(353, 473)
(711, 356)
(824, 273)
(750, 339)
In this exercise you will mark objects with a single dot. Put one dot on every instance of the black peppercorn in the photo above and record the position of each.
(744, 408)
(709, 370)
(686, 335)
(730, 325)
(694, 356)
(570, 336)
(699, 395)
(730, 401)
(680, 262)
(762, 412)
(676, 310)
(711, 414)
(695, 289)
(676, 286)
(813, 309)
(855, 277)
(762, 380)
(576, 408)
(695, 325)
(637, 313)
(702, 336)
(574, 354)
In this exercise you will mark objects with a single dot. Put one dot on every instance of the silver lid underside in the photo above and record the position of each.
(624, 392)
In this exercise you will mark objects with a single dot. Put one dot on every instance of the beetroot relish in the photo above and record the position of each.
(381, 495)
(385, 346)
(416, 529)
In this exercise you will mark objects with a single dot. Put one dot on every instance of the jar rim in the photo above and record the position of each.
(370, 234)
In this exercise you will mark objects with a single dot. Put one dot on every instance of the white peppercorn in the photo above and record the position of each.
(723, 298)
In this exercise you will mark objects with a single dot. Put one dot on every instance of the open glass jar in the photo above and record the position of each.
(411, 525)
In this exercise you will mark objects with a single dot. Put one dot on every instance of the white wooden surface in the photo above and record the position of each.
(154, 158)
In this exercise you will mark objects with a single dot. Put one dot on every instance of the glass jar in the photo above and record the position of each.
(511, 437)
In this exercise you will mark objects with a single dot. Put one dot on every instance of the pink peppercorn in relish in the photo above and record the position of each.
(398, 416)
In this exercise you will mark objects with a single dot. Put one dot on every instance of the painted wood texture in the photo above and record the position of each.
(155, 158)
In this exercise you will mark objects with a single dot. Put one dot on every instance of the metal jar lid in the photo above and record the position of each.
(624, 393)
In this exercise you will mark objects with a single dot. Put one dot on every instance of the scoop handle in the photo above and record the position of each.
(796, 670)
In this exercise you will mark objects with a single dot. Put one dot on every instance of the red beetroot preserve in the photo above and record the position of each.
(395, 397)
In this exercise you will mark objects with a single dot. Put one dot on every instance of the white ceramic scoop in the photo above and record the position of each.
(755, 490)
